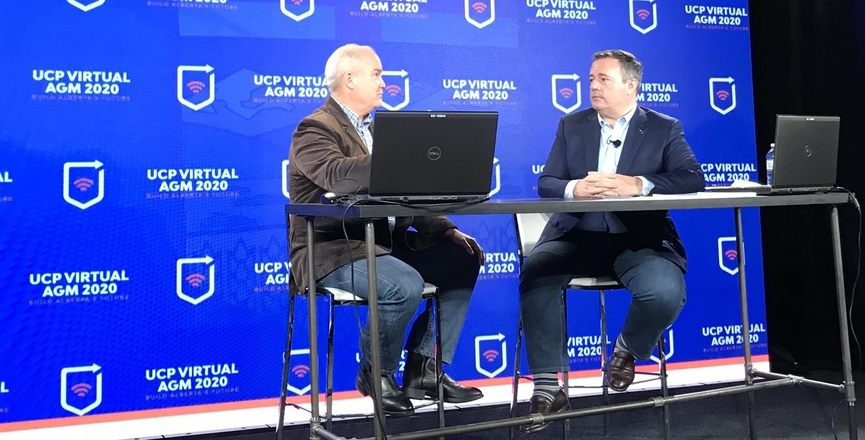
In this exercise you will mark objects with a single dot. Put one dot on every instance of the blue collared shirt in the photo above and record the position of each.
(361, 125)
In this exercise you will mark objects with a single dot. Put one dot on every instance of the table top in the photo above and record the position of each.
(700, 200)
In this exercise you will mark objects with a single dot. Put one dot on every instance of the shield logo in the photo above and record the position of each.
(669, 346)
(85, 6)
(480, 13)
(567, 92)
(722, 94)
(79, 180)
(297, 9)
(285, 179)
(728, 255)
(497, 177)
(491, 356)
(81, 389)
(396, 95)
(195, 279)
(196, 86)
(298, 377)
(644, 15)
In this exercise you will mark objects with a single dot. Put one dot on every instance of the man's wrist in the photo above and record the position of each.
(450, 232)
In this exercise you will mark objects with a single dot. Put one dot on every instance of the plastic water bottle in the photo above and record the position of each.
(770, 163)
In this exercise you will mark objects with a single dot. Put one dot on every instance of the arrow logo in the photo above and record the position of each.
(210, 279)
(490, 355)
(181, 85)
(64, 382)
(722, 94)
(566, 91)
(97, 165)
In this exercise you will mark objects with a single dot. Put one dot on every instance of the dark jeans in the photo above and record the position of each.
(657, 287)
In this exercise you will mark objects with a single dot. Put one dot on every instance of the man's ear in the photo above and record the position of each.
(633, 86)
(349, 81)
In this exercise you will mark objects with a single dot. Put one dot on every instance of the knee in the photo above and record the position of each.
(405, 289)
(666, 292)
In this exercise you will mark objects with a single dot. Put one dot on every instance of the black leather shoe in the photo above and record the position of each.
(393, 401)
(621, 371)
(543, 406)
(419, 380)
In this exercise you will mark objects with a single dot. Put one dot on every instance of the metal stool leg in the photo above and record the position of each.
(436, 306)
(566, 425)
(328, 421)
(516, 382)
(662, 356)
(285, 366)
(604, 347)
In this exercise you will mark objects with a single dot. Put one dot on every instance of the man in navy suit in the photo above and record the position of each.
(614, 149)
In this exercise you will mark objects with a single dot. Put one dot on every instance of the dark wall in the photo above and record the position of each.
(809, 58)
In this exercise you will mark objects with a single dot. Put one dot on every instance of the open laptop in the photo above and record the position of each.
(432, 156)
(806, 156)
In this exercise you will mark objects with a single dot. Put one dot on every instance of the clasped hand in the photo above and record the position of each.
(598, 185)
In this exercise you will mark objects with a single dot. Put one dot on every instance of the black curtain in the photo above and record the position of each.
(809, 58)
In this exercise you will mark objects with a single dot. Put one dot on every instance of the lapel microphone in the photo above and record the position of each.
(616, 143)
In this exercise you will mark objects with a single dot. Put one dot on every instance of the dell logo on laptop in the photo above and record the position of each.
(434, 153)
(807, 151)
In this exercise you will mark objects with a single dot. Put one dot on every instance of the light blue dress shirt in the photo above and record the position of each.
(606, 221)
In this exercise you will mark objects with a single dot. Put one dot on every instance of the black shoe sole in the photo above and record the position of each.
(421, 394)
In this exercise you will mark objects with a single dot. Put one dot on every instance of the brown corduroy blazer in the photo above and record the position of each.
(328, 155)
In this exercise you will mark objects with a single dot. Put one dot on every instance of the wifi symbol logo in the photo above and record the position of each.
(479, 7)
(393, 89)
(566, 92)
(83, 183)
(643, 14)
(80, 389)
(195, 86)
(491, 355)
(300, 371)
(722, 95)
(731, 254)
(195, 279)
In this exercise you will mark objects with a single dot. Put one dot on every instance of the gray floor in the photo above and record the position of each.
(795, 412)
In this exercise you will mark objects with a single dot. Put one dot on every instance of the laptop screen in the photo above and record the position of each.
(432, 153)
(806, 151)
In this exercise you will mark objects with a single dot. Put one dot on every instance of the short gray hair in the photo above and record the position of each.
(340, 62)
(630, 67)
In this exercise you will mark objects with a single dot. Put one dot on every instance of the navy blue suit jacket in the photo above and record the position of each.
(654, 148)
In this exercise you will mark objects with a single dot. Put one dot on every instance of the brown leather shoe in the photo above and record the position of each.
(543, 406)
(621, 372)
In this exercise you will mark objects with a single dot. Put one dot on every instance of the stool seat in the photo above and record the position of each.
(595, 283)
(340, 296)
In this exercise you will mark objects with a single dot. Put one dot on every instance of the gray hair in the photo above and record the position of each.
(340, 62)
(630, 67)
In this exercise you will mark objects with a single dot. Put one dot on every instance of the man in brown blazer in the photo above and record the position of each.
(330, 152)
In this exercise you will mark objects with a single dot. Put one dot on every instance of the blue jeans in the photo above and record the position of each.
(400, 279)
(657, 287)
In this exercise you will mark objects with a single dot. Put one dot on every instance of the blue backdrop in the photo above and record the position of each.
(143, 148)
